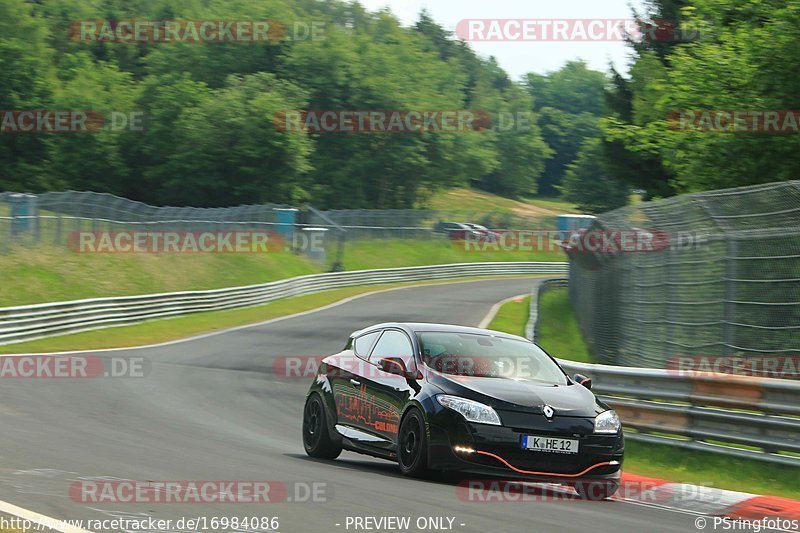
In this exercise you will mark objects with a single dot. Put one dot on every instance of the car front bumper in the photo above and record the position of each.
(458, 445)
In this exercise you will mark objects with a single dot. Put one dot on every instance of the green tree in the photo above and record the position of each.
(588, 183)
(569, 102)
(27, 79)
(743, 60)
(93, 160)
(227, 150)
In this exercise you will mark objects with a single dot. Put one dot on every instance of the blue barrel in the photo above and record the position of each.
(23, 208)
(286, 219)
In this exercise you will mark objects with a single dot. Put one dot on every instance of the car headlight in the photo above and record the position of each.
(471, 410)
(607, 422)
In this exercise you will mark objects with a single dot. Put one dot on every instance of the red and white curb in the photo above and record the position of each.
(707, 500)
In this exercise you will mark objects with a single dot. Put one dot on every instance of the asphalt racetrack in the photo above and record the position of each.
(212, 409)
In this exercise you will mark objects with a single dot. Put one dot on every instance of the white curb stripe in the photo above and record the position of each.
(45, 521)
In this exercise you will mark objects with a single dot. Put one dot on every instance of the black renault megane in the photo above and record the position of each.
(453, 398)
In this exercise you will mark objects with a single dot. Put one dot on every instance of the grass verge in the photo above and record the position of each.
(559, 333)
(164, 330)
(50, 274)
(558, 330)
(512, 317)
(710, 469)
(360, 255)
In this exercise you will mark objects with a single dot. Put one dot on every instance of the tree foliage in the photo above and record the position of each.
(209, 137)
(569, 103)
(589, 184)
(743, 57)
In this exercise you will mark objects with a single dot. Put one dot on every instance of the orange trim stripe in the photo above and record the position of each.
(531, 472)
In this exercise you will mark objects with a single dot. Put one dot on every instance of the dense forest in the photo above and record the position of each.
(209, 138)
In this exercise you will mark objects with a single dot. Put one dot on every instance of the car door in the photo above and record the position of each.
(388, 393)
(345, 375)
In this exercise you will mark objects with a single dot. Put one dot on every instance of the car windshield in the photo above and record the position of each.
(469, 354)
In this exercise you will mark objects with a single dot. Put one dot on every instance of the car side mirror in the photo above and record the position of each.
(395, 365)
(583, 380)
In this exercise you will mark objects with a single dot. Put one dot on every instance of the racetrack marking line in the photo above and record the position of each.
(266, 322)
(44, 521)
(495, 308)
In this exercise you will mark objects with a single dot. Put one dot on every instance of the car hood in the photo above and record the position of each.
(520, 395)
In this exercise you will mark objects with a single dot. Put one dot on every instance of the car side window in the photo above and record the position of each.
(363, 344)
(394, 343)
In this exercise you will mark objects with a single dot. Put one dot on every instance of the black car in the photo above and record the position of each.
(453, 398)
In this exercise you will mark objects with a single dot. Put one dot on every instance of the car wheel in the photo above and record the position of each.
(316, 439)
(596, 490)
(412, 444)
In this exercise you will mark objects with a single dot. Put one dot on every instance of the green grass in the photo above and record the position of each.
(558, 330)
(185, 326)
(710, 469)
(559, 333)
(49, 274)
(512, 316)
(366, 254)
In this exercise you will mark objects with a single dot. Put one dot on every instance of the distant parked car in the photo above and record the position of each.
(484, 232)
(455, 230)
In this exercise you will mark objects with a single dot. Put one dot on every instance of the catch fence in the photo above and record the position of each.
(727, 283)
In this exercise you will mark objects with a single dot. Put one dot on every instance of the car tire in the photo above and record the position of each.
(412, 444)
(596, 490)
(316, 438)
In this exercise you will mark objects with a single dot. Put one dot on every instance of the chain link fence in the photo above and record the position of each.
(50, 218)
(420, 223)
(726, 285)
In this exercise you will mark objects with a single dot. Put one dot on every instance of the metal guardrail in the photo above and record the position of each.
(23, 323)
(699, 411)
(531, 331)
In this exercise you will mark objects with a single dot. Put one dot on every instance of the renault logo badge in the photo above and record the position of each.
(548, 412)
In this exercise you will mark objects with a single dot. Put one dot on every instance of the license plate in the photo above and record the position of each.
(549, 444)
